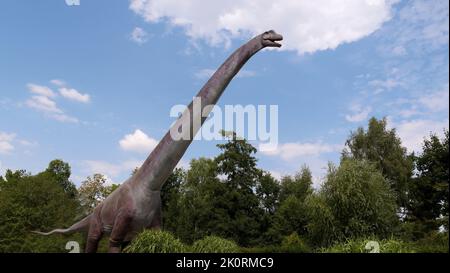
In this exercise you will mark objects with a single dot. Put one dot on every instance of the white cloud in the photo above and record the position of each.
(64, 118)
(413, 132)
(41, 90)
(407, 113)
(9, 141)
(383, 85)
(315, 155)
(111, 170)
(49, 107)
(204, 74)
(420, 27)
(138, 142)
(44, 101)
(290, 151)
(437, 101)
(43, 104)
(317, 166)
(139, 36)
(358, 113)
(58, 82)
(399, 50)
(307, 26)
(6, 145)
(424, 106)
(72, 94)
(424, 21)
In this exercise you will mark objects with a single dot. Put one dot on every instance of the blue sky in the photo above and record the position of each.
(93, 84)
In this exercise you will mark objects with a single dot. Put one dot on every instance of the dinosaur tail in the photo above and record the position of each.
(79, 226)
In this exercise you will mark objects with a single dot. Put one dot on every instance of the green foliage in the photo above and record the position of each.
(268, 191)
(299, 186)
(384, 148)
(61, 172)
(355, 201)
(214, 244)
(30, 203)
(240, 202)
(229, 197)
(197, 212)
(93, 191)
(429, 191)
(294, 244)
(363, 246)
(290, 244)
(237, 162)
(156, 241)
(323, 229)
(434, 242)
(360, 199)
(170, 199)
(291, 215)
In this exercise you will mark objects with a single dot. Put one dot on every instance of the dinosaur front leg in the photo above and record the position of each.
(119, 231)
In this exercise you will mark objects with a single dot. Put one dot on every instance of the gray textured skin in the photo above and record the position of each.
(136, 204)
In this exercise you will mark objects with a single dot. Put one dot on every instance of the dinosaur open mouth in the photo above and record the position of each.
(272, 42)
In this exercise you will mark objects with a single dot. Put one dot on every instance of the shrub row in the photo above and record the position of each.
(152, 241)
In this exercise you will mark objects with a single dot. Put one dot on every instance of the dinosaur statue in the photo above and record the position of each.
(136, 204)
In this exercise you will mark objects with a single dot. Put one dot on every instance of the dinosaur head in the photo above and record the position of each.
(269, 38)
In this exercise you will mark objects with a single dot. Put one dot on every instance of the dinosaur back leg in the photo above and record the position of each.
(119, 231)
(94, 235)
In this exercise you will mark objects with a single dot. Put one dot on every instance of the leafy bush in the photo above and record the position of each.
(434, 243)
(322, 227)
(156, 241)
(293, 244)
(214, 244)
(355, 202)
(363, 246)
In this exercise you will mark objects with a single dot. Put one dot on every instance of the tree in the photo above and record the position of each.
(228, 206)
(322, 227)
(170, 196)
(34, 202)
(237, 165)
(268, 191)
(382, 147)
(237, 162)
(299, 186)
(93, 191)
(200, 208)
(356, 201)
(61, 172)
(429, 190)
(291, 214)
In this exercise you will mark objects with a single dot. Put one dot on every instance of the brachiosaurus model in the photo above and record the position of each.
(136, 204)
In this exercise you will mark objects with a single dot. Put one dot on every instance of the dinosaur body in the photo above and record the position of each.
(136, 204)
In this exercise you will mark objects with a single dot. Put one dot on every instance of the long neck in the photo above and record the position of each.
(159, 165)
